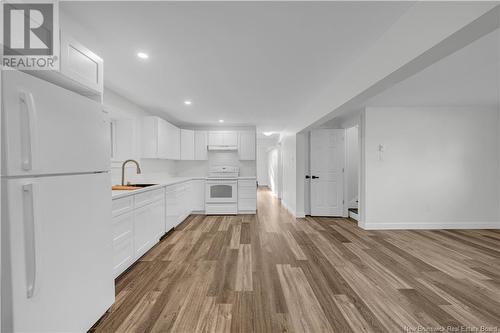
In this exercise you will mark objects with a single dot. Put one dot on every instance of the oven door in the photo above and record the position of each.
(221, 191)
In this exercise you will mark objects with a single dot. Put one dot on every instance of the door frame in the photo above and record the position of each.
(346, 168)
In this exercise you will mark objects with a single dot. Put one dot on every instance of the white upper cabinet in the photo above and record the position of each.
(160, 139)
(149, 137)
(224, 140)
(123, 139)
(80, 64)
(163, 133)
(231, 138)
(81, 70)
(216, 138)
(246, 145)
(187, 144)
(173, 142)
(200, 145)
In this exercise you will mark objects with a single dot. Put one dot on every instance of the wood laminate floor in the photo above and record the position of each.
(272, 273)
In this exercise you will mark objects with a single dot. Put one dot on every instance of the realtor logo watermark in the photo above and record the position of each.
(30, 35)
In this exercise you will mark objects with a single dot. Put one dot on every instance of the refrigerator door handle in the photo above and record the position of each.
(29, 238)
(28, 130)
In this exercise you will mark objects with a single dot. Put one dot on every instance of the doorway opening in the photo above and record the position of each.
(351, 174)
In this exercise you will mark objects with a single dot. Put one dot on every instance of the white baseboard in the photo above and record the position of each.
(354, 216)
(300, 215)
(431, 225)
(274, 194)
(283, 202)
(247, 212)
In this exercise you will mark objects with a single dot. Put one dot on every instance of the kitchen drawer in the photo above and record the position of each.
(123, 225)
(123, 254)
(122, 205)
(247, 193)
(247, 183)
(144, 198)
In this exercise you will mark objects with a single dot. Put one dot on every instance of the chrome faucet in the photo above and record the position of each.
(123, 169)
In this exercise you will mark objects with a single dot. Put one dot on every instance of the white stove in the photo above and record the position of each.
(221, 191)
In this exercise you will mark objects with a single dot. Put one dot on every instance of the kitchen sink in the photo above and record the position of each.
(141, 185)
(130, 187)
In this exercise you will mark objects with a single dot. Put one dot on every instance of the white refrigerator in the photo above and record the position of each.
(56, 245)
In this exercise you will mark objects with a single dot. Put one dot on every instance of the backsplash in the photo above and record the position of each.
(151, 170)
(154, 170)
(215, 158)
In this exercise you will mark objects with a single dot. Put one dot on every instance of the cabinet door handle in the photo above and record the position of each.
(314, 177)
(28, 130)
(29, 238)
(307, 176)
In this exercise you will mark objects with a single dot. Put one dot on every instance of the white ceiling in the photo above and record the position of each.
(469, 76)
(245, 62)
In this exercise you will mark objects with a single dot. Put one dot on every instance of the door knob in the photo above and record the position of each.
(314, 177)
(307, 176)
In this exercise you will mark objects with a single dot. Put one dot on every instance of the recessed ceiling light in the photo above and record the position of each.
(187, 102)
(221, 120)
(142, 55)
(268, 133)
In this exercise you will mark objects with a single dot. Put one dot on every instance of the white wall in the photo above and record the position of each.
(273, 157)
(262, 164)
(440, 168)
(302, 157)
(352, 166)
(215, 158)
(289, 162)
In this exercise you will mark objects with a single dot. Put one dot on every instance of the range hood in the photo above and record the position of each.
(222, 147)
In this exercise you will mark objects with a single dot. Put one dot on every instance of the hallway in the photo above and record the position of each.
(271, 273)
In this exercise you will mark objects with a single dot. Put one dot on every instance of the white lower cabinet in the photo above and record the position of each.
(138, 224)
(188, 199)
(247, 196)
(184, 198)
(198, 195)
(180, 201)
(123, 242)
(148, 223)
(171, 207)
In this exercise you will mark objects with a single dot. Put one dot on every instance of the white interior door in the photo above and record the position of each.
(327, 165)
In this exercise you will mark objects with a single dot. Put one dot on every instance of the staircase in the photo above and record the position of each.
(353, 213)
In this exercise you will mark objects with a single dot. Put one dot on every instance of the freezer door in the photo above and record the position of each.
(59, 274)
(50, 130)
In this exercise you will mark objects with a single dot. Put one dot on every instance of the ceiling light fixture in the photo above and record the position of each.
(221, 120)
(143, 55)
(268, 133)
(187, 102)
